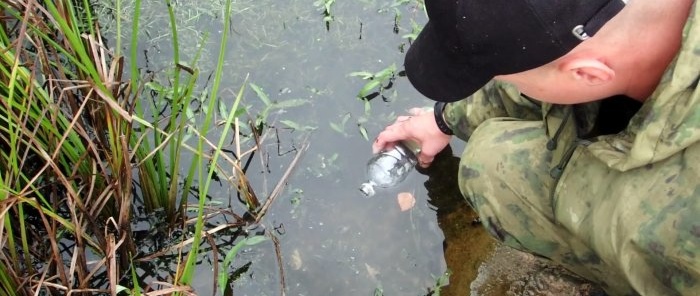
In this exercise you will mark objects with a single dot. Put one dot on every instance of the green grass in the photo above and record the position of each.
(79, 137)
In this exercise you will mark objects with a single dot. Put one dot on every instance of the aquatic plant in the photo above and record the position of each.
(85, 137)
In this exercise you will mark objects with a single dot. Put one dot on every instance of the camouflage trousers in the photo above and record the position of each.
(634, 232)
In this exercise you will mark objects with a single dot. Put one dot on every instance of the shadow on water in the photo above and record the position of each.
(466, 243)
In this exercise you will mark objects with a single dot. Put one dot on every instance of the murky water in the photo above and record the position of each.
(331, 239)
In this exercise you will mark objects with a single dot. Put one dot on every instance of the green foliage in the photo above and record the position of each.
(223, 275)
(324, 6)
(440, 282)
(376, 82)
(75, 136)
(271, 106)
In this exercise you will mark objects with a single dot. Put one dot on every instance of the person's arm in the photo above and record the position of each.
(462, 117)
(496, 99)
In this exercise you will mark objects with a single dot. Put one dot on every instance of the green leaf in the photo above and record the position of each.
(386, 73)
(369, 86)
(345, 118)
(290, 103)
(363, 131)
(337, 128)
(223, 272)
(155, 86)
(121, 288)
(222, 109)
(364, 74)
(291, 124)
(261, 94)
(190, 115)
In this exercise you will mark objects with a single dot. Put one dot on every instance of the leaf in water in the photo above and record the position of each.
(345, 119)
(203, 96)
(333, 158)
(372, 272)
(295, 261)
(190, 115)
(368, 108)
(338, 128)
(188, 134)
(261, 94)
(155, 86)
(291, 124)
(369, 86)
(364, 74)
(222, 110)
(406, 201)
(386, 73)
(363, 131)
(290, 103)
(240, 111)
(223, 272)
(251, 241)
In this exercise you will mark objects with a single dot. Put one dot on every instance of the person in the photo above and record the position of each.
(583, 126)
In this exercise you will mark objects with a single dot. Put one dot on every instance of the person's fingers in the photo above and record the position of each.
(402, 118)
(424, 160)
(392, 133)
(385, 139)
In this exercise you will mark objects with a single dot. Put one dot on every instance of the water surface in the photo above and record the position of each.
(332, 240)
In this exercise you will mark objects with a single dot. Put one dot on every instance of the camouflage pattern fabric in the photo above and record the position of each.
(622, 210)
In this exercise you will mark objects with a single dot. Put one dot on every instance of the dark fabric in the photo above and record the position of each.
(467, 42)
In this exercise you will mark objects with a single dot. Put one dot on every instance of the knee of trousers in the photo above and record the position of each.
(504, 175)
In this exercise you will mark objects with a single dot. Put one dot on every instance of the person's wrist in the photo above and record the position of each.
(440, 119)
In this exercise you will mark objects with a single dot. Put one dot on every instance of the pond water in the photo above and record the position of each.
(331, 239)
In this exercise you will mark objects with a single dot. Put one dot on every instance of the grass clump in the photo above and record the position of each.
(82, 142)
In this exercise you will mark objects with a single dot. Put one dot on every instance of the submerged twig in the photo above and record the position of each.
(278, 253)
(282, 181)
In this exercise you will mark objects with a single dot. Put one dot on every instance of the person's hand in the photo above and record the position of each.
(418, 127)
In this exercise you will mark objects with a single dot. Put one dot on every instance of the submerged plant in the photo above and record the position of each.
(376, 82)
(325, 7)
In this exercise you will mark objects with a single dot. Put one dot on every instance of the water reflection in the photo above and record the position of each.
(466, 243)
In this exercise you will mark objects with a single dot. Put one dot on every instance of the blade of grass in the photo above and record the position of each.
(186, 276)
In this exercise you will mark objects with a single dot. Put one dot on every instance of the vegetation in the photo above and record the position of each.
(90, 144)
(84, 140)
